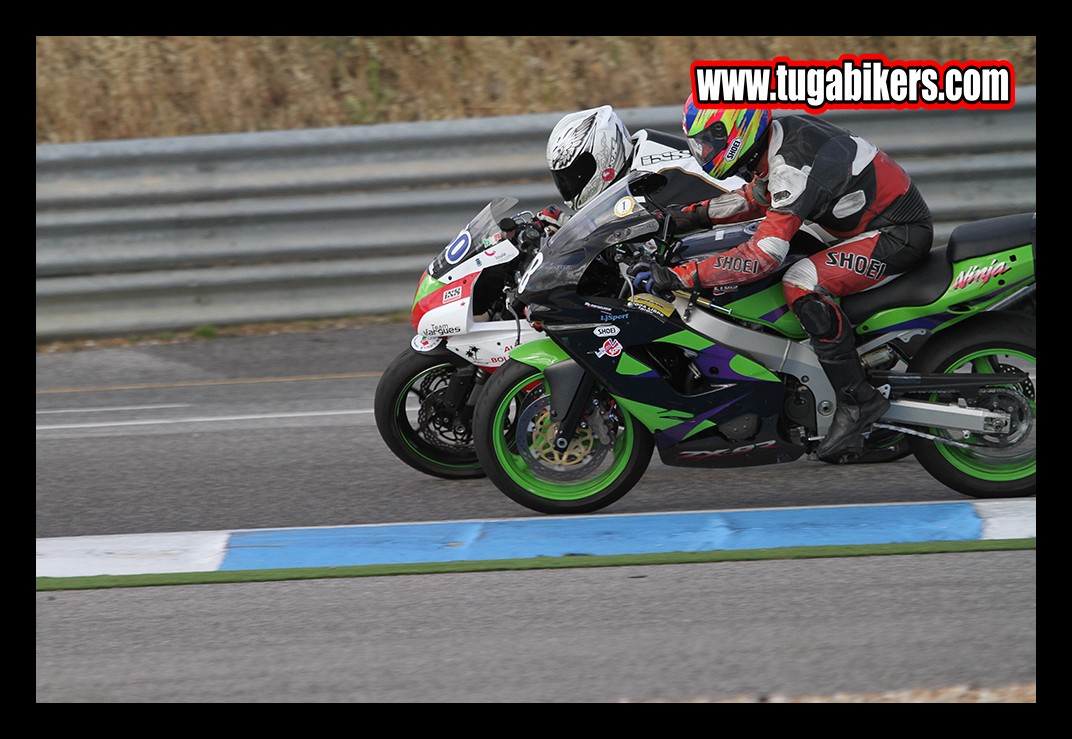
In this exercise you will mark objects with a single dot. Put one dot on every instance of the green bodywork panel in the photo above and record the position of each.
(971, 291)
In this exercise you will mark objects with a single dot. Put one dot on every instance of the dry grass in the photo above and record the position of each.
(92, 88)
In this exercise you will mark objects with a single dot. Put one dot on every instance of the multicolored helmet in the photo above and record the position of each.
(586, 152)
(726, 140)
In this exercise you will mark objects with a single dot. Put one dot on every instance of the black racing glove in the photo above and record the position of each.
(654, 278)
(688, 219)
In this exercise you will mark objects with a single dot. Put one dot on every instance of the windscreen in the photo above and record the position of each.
(613, 217)
(480, 234)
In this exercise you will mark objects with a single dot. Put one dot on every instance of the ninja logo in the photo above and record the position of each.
(977, 275)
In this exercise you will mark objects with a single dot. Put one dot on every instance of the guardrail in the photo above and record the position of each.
(155, 234)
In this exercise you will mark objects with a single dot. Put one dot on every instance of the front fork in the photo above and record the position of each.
(455, 406)
(570, 387)
(568, 384)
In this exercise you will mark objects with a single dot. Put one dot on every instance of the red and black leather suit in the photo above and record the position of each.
(815, 171)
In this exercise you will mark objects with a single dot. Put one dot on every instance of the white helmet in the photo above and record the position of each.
(587, 151)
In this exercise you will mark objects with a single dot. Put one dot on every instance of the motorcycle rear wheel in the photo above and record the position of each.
(414, 423)
(514, 432)
(990, 466)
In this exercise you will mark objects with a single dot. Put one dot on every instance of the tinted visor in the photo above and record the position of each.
(572, 179)
(709, 143)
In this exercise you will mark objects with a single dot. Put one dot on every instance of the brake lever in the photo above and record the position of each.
(672, 252)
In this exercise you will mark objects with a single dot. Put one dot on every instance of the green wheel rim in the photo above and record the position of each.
(981, 464)
(516, 466)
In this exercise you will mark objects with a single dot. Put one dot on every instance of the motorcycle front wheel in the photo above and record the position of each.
(514, 434)
(985, 465)
(417, 422)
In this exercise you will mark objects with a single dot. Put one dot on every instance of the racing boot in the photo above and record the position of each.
(859, 405)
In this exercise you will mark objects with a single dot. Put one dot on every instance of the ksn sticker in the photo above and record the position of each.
(610, 348)
(424, 343)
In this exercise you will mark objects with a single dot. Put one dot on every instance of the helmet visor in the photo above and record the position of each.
(709, 143)
(573, 178)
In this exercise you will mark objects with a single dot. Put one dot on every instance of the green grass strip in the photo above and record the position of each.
(535, 563)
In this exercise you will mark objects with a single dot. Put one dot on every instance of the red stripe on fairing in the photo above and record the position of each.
(434, 300)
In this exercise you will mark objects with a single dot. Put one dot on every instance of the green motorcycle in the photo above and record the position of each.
(569, 424)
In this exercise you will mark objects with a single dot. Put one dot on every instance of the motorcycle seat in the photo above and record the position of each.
(918, 286)
(992, 234)
(928, 281)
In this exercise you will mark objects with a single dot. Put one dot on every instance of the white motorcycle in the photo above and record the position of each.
(467, 322)
(466, 327)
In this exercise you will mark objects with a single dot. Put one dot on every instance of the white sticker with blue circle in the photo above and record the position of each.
(458, 248)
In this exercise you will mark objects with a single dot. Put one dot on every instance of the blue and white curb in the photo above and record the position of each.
(523, 538)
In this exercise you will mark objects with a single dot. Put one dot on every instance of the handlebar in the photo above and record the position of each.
(524, 231)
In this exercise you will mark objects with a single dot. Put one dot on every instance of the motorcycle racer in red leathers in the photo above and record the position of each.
(802, 168)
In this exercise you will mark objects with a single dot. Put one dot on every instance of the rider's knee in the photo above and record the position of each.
(817, 316)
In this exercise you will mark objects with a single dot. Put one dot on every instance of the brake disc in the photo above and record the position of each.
(440, 429)
(536, 440)
(435, 425)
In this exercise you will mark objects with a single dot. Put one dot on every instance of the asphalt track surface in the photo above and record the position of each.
(275, 432)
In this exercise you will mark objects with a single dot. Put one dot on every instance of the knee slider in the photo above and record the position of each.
(818, 317)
